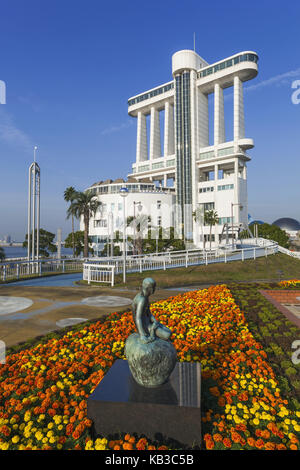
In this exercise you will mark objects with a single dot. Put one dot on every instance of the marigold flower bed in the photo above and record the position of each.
(290, 283)
(43, 390)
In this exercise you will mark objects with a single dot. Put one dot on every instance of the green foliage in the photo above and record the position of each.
(107, 247)
(291, 371)
(46, 244)
(2, 254)
(78, 242)
(69, 196)
(272, 232)
(165, 242)
(83, 204)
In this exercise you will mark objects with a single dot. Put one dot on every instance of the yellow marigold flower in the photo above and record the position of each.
(15, 439)
(38, 435)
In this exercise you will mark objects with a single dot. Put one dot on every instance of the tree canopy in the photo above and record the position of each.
(84, 204)
(78, 241)
(272, 232)
(2, 254)
(46, 245)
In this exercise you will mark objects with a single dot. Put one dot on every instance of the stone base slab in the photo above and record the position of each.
(170, 411)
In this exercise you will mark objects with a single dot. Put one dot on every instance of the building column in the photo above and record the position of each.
(169, 142)
(165, 180)
(141, 144)
(236, 199)
(203, 126)
(219, 126)
(155, 148)
(238, 110)
(216, 169)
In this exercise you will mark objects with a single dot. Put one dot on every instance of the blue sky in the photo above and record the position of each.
(70, 66)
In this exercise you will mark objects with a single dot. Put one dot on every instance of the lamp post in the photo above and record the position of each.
(134, 226)
(241, 207)
(112, 235)
(124, 194)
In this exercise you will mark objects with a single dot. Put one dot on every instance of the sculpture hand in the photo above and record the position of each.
(146, 339)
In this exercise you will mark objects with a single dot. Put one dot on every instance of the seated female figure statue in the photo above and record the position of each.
(146, 324)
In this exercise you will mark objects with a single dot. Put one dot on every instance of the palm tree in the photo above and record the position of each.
(210, 218)
(69, 195)
(84, 204)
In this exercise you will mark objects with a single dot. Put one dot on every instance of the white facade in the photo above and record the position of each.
(206, 174)
(143, 200)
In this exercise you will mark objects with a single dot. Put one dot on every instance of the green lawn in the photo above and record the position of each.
(248, 270)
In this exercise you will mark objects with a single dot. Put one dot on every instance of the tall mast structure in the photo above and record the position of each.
(33, 221)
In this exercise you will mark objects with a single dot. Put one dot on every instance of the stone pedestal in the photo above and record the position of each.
(150, 364)
(170, 411)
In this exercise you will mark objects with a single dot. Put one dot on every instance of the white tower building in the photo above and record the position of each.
(206, 175)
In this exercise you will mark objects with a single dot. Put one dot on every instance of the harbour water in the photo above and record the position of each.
(20, 252)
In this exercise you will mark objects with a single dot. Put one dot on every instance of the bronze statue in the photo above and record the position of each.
(146, 324)
(151, 356)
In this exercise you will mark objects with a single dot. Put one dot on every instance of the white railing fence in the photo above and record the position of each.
(285, 251)
(155, 261)
(99, 273)
(105, 269)
(22, 269)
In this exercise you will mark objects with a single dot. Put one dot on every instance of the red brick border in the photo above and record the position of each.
(277, 297)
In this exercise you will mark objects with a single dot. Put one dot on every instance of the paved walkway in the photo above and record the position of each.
(51, 308)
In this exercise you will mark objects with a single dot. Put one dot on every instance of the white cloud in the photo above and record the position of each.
(112, 129)
(278, 80)
(11, 134)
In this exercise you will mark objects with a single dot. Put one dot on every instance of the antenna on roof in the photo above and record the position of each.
(194, 42)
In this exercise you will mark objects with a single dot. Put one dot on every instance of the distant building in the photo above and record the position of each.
(144, 200)
(291, 226)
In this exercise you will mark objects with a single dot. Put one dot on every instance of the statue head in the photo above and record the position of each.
(148, 286)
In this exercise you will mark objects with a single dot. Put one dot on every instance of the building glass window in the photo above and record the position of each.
(224, 187)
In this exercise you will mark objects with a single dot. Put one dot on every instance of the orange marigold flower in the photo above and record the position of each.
(251, 441)
(227, 442)
(259, 444)
(235, 436)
